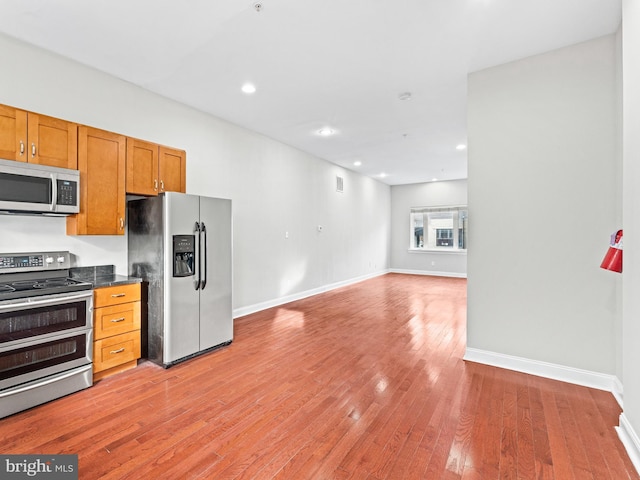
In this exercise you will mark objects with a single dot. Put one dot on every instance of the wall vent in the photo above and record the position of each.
(339, 184)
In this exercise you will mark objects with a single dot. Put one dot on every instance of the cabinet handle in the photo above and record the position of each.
(113, 352)
(118, 320)
(33, 150)
(121, 223)
(162, 185)
(155, 184)
(21, 147)
(118, 295)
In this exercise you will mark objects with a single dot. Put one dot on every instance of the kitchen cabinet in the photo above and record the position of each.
(173, 170)
(102, 164)
(34, 138)
(153, 169)
(116, 329)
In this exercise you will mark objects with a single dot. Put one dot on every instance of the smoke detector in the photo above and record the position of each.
(257, 6)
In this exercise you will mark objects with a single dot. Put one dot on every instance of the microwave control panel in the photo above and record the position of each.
(67, 192)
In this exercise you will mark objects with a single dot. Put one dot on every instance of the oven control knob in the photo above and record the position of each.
(49, 259)
(61, 259)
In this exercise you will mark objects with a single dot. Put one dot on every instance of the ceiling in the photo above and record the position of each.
(335, 63)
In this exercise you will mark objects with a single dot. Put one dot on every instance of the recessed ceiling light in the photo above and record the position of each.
(357, 163)
(382, 175)
(462, 146)
(326, 131)
(249, 88)
(434, 179)
(405, 96)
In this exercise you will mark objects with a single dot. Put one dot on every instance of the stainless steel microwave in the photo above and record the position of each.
(38, 189)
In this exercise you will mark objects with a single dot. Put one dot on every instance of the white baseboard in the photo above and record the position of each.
(241, 312)
(586, 378)
(429, 272)
(618, 391)
(630, 440)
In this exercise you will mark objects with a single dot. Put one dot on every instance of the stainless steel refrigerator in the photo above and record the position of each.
(181, 246)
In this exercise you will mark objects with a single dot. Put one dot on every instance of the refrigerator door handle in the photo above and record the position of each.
(197, 262)
(203, 253)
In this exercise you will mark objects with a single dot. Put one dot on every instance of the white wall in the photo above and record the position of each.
(275, 188)
(544, 177)
(631, 180)
(432, 194)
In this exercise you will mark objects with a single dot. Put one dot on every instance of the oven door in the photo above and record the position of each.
(25, 318)
(44, 356)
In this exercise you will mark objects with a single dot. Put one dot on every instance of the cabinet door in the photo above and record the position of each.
(173, 170)
(116, 319)
(142, 167)
(115, 295)
(52, 141)
(117, 350)
(102, 163)
(13, 134)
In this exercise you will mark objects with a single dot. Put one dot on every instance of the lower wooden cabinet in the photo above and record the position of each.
(116, 329)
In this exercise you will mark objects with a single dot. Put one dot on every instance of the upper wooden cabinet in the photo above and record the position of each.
(142, 167)
(152, 169)
(102, 163)
(173, 170)
(34, 138)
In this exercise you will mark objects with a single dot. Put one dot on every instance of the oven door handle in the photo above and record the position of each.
(38, 384)
(49, 301)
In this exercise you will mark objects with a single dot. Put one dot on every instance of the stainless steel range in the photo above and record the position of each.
(46, 330)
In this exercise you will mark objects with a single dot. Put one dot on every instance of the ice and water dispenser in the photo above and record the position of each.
(184, 254)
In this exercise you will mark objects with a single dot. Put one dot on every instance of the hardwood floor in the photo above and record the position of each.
(363, 382)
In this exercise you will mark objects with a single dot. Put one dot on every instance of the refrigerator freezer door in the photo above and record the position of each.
(181, 300)
(216, 318)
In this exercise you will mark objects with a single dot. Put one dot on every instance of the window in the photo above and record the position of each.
(439, 228)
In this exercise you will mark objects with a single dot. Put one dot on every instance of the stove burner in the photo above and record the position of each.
(54, 282)
(23, 285)
(40, 286)
(26, 275)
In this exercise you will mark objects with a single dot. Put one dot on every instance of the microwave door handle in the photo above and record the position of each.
(203, 253)
(54, 192)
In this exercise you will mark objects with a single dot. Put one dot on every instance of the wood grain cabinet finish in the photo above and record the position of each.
(116, 329)
(153, 169)
(102, 163)
(172, 170)
(34, 138)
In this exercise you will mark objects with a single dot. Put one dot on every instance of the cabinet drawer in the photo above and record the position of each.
(113, 351)
(106, 296)
(116, 319)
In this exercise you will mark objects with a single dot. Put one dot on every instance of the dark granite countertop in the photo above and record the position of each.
(102, 276)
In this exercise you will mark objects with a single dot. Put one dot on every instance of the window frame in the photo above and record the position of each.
(455, 210)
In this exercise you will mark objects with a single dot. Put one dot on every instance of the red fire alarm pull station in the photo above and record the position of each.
(613, 259)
